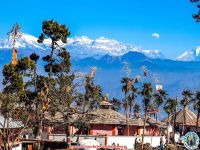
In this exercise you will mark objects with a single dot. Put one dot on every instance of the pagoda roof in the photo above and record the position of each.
(154, 122)
(189, 115)
(107, 116)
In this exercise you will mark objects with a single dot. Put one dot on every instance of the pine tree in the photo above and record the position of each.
(56, 32)
(16, 102)
(60, 92)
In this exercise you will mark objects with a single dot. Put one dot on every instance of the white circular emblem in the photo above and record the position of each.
(191, 140)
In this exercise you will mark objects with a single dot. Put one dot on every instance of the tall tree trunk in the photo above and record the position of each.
(40, 131)
(168, 129)
(144, 127)
(5, 142)
(7, 130)
(130, 110)
(184, 120)
(6, 147)
(37, 113)
(35, 79)
(6, 139)
(156, 117)
(67, 132)
(127, 126)
(174, 126)
(197, 124)
(126, 111)
(51, 56)
(78, 135)
(37, 134)
(174, 121)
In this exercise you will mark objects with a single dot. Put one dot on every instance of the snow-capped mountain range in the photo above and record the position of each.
(108, 56)
(81, 47)
(190, 55)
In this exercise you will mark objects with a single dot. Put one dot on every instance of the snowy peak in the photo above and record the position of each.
(153, 54)
(190, 55)
(80, 47)
(25, 41)
(112, 47)
(83, 40)
(86, 47)
(103, 40)
(101, 45)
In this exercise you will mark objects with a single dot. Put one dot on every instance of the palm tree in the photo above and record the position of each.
(131, 98)
(170, 109)
(174, 117)
(187, 99)
(167, 110)
(116, 104)
(130, 102)
(126, 87)
(159, 98)
(136, 109)
(125, 106)
(147, 94)
(197, 107)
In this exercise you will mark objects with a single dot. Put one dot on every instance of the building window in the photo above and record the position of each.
(120, 131)
(188, 129)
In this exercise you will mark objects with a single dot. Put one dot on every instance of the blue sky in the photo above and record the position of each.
(129, 21)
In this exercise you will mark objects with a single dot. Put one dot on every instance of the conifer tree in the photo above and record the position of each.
(60, 92)
(15, 98)
(56, 32)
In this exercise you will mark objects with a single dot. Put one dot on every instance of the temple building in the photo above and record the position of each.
(108, 122)
(190, 121)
